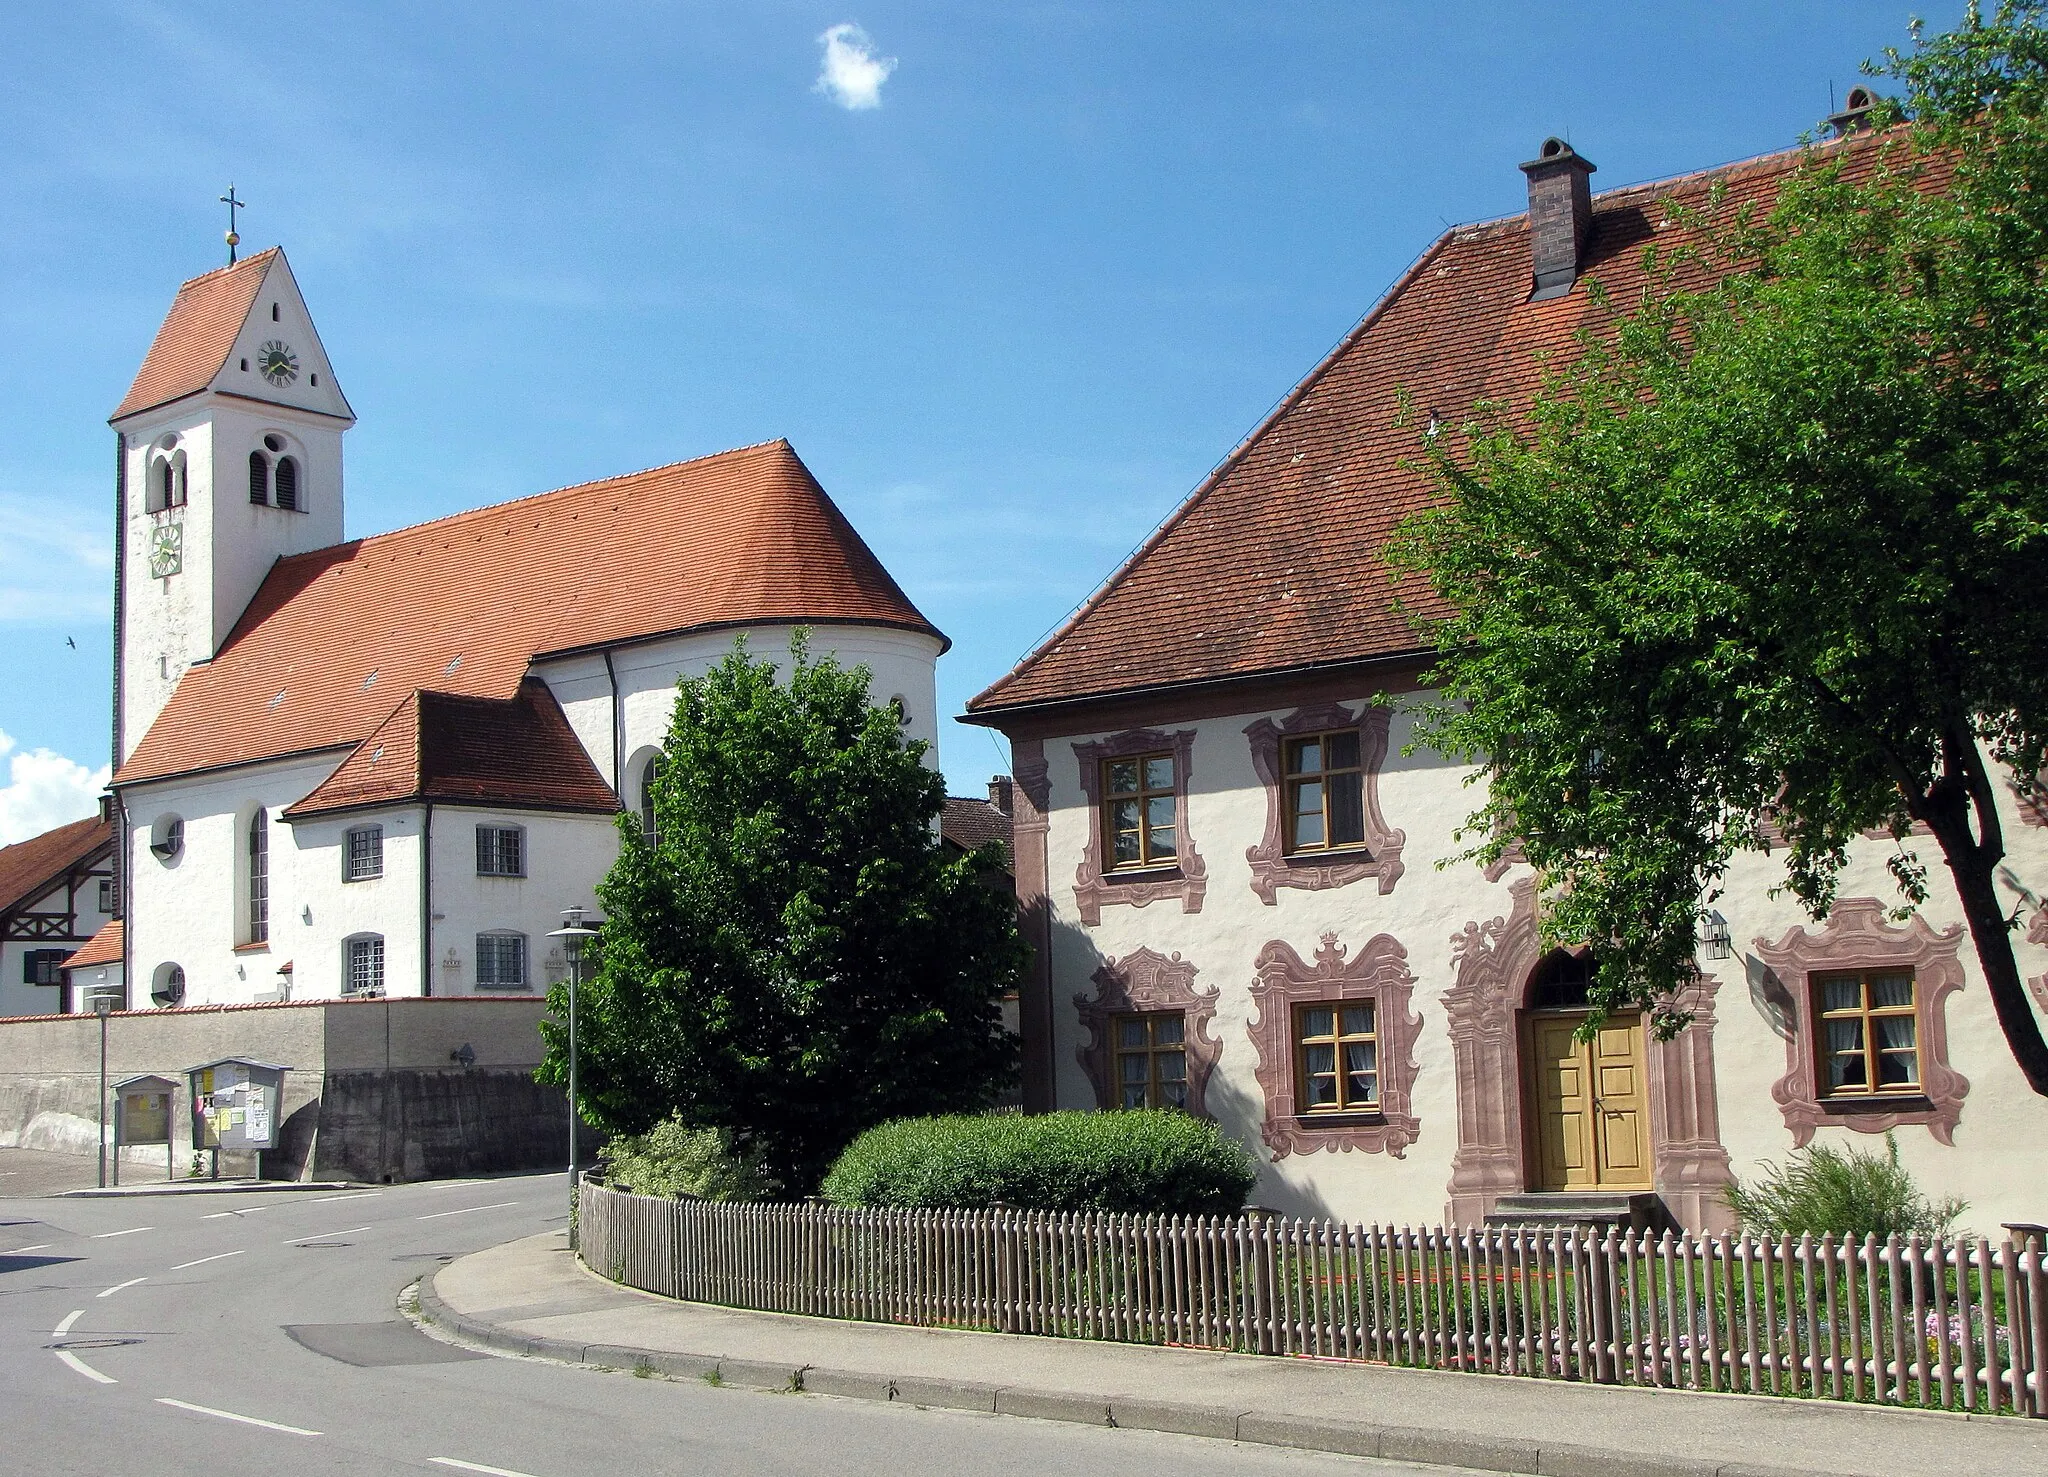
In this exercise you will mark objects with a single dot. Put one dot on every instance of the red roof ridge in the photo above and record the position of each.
(489, 509)
(182, 360)
(28, 867)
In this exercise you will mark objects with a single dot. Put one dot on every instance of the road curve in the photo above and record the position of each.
(261, 1332)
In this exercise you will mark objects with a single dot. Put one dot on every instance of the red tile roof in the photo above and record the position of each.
(518, 752)
(971, 824)
(103, 947)
(464, 604)
(1274, 563)
(192, 345)
(30, 868)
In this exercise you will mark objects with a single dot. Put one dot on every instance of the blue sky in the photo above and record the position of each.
(1010, 314)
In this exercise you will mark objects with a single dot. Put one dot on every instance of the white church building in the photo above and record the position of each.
(385, 765)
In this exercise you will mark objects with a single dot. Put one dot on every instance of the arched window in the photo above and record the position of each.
(287, 482)
(259, 877)
(650, 777)
(259, 479)
(167, 490)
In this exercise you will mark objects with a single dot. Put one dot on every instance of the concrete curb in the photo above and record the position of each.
(1226, 1423)
(205, 1187)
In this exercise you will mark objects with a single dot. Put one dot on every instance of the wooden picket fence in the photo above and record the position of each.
(1958, 1324)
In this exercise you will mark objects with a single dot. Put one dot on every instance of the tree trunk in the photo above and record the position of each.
(1976, 887)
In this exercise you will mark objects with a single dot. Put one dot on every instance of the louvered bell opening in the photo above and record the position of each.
(287, 482)
(259, 479)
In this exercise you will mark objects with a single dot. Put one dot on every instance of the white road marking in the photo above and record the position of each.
(229, 1415)
(119, 1285)
(65, 1327)
(220, 1215)
(85, 1369)
(39, 1246)
(352, 1195)
(465, 1210)
(323, 1235)
(449, 1461)
(132, 1230)
(216, 1257)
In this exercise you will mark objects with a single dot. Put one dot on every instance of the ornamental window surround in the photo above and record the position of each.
(1320, 768)
(500, 851)
(363, 854)
(1139, 848)
(1863, 1007)
(1150, 1040)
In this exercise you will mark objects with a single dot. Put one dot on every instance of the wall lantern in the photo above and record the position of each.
(1715, 939)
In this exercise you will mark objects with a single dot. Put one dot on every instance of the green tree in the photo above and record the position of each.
(793, 959)
(1765, 565)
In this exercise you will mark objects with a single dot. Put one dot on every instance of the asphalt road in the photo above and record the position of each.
(260, 1332)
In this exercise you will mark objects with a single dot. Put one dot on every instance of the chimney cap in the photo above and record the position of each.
(1555, 154)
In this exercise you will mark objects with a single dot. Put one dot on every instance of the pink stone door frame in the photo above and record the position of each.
(1483, 1009)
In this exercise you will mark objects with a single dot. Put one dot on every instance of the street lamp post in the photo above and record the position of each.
(102, 1006)
(572, 933)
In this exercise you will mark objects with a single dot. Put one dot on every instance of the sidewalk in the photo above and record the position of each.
(532, 1297)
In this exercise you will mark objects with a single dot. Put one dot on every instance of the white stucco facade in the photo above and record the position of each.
(1998, 1160)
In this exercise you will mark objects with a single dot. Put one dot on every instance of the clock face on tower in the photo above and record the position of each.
(166, 550)
(279, 365)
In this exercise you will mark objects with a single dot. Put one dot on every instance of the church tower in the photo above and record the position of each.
(230, 459)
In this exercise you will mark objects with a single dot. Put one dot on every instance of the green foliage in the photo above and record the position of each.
(1854, 1193)
(1769, 558)
(672, 1160)
(1150, 1161)
(794, 958)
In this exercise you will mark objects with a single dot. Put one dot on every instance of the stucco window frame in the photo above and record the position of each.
(1284, 980)
(1857, 936)
(1145, 982)
(1185, 878)
(1273, 866)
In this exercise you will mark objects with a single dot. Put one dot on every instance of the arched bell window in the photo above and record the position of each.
(650, 778)
(287, 482)
(259, 479)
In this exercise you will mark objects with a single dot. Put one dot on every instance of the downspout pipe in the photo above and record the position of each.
(426, 903)
(123, 878)
(611, 677)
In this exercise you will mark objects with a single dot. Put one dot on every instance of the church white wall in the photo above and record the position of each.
(904, 664)
(566, 856)
(1999, 1162)
(17, 997)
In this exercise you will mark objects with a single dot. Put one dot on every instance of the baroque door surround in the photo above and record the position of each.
(1493, 962)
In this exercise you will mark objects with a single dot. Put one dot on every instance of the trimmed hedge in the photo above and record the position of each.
(1144, 1162)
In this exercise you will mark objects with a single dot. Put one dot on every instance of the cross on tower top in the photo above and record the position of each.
(233, 205)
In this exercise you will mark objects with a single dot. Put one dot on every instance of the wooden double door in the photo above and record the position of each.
(1589, 1102)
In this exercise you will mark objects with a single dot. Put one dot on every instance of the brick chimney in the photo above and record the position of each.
(1560, 217)
(1001, 793)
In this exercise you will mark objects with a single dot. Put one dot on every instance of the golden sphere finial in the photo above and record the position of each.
(234, 238)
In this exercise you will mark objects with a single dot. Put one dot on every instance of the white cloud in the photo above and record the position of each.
(56, 562)
(852, 75)
(44, 790)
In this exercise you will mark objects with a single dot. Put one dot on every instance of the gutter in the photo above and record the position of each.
(808, 622)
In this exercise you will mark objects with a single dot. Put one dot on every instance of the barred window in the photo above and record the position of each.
(500, 851)
(501, 961)
(365, 966)
(365, 854)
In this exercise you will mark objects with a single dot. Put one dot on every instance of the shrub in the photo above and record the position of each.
(672, 1160)
(1853, 1193)
(1146, 1162)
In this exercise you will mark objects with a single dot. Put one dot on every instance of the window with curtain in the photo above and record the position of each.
(1869, 1032)
(1337, 1057)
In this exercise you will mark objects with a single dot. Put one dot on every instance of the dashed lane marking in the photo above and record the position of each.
(460, 1465)
(39, 1246)
(216, 1257)
(323, 1235)
(229, 1415)
(119, 1285)
(221, 1215)
(85, 1369)
(132, 1230)
(500, 1205)
(352, 1195)
(65, 1327)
